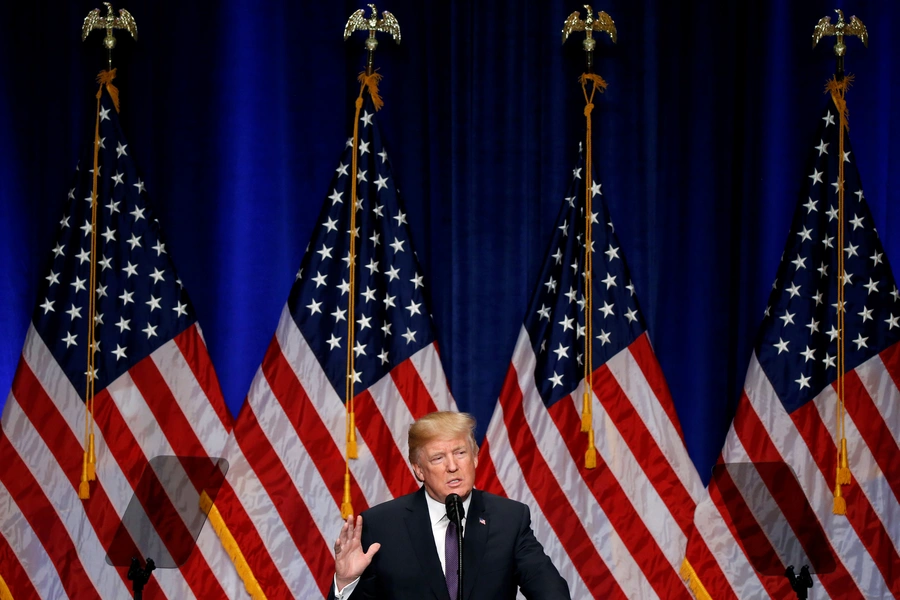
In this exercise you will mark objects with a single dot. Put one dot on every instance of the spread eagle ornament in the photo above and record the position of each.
(94, 21)
(603, 22)
(386, 24)
(840, 29)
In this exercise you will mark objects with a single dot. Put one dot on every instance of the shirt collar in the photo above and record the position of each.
(438, 510)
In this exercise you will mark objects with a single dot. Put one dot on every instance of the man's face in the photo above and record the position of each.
(446, 467)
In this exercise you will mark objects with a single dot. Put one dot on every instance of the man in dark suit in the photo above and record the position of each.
(407, 540)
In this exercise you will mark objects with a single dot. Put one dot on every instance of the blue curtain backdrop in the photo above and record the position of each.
(236, 112)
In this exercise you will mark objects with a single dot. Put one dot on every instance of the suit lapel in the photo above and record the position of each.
(478, 525)
(418, 526)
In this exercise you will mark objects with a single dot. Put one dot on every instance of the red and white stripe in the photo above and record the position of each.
(286, 481)
(865, 542)
(616, 531)
(167, 404)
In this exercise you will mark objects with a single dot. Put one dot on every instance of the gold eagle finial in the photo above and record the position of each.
(94, 21)
(602, 22)
(386, 24)
(839, 30)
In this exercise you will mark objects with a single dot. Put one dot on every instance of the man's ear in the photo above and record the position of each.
(418, 471)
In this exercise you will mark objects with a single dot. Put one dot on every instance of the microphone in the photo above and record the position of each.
(455, 509)
(455, 512)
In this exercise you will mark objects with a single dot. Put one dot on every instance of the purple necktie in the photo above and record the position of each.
(451, 559)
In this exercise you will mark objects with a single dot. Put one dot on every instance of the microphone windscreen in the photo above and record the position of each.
(455, 509)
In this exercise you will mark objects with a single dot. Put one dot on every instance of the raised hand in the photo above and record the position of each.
(349, 559)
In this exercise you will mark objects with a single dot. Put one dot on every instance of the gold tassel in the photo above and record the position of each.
(690, 577)
(371, 82)
(5, 594)
(105, 78)
(92, 460)
(351, 438)
(586, 413)
(840, 505)
(843, 472)
(347, 504)
(84, 488)
(231, 547)
(590, 457)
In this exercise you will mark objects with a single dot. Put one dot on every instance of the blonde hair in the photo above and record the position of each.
(441, 425)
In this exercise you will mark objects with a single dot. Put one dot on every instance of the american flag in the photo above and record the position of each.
(620, 529)
(156, 394)
(787, 411)
(287, 453)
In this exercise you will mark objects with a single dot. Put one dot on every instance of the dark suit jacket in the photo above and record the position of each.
(500, 553)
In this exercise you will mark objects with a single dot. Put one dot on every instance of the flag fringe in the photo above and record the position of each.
(693, 582)
(231, 548)
(5, 594)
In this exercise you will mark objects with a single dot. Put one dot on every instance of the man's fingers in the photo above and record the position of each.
(372, 550)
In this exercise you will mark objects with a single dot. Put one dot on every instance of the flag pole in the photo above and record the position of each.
(837, 87)
(91, 22)
(368, 82)
(602, 22)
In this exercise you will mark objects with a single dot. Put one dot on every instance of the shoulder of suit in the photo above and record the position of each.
(401, 502)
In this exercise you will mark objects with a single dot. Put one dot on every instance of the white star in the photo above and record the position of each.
(363, 148)
(876, 258)
(809, 354)
(150, 330)
(631, 315)
(369, 294)
(832, 333)
(342, 169)
(98, 320)
(70, 340)
(794, 290)
(564, 227)
(378, 210)
(781, 345)
(381, 182)
(104, 114)
(558, 255)
(364, 322)
(313, 307)
(64, 222)
(319, 279)
(410, 336)
(866, 314)
(603, 337)
(109, 235)
(157, 275)
(829, 360)
(400, 217)
(123, 324)
(339, 315)
(567, 323)
(386, 328)
(847, 278)
(383, 155)
(118, 179)
(334, 342)
(612, 252)
(829, 119)
(52, 278)
(48, 306)
(120, 150)
(872, 286)
(180, 309)
(153, 303)
(140, 186)
(130, 269)
(78, 284)
(892, 322)
(822, 147)
(86, 228)
(137, 213)
(57, 251)
(837, 185)
(803, 381)
(397, 245)
(857, 221)
(556, 379)
(331, 224)
(846, 156)
(361, 176)
(366, 118)
(816, 176)
(119, 352)
(389, 301)
(832, 213)
(544, 312)
(595, 189)
(134, 241)
(805, 234)
(413, 308)
(813, 326)
(359, 349)
(576, 173)
(126, 297)
(160, 248)
(384, 357)
(895, 294)
(606, 309)
(101, 291)
(551, 285)
(571, 294)
(344, 287)
(860, 342)
(823, 269)
(826, 241)
(324, 251)
(610, 280)
(561, 352)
